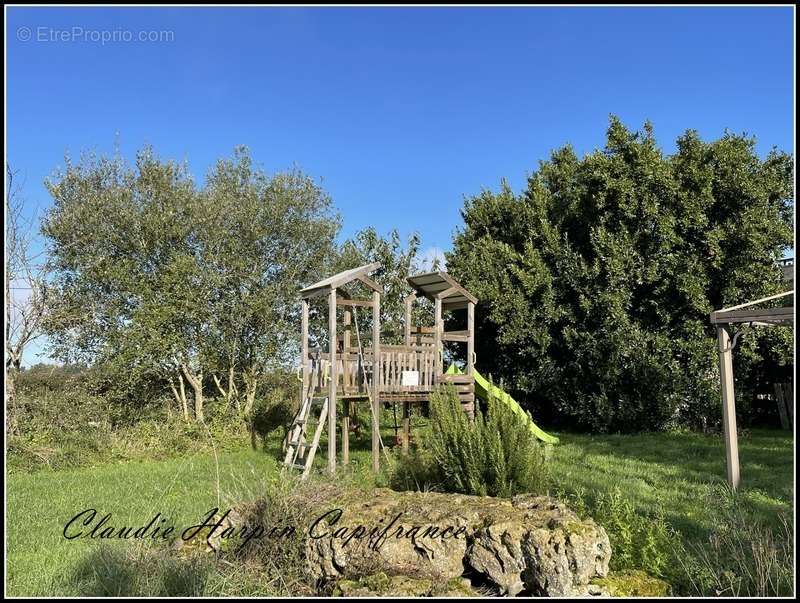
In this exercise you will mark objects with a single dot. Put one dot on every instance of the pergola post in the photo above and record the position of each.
(376, 379)
(728, 404)
(334, 377)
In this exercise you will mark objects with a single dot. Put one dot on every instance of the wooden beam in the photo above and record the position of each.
(304, 366)
(471, 339)
(728, 405)
(437, 339)
(346, 432)
(348, 314)
(771, 315)
(783, 405)
(376, 369)
(316, 292)
(334, 378)
(363, 303)
(370, 283)
(447, 292)
(407, 318)
(453, 336)
(406, 426)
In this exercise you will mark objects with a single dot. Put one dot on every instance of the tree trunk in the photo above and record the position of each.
(230, 393)
(196, 381)
(13, 367)
(180, 396)
(251, 385)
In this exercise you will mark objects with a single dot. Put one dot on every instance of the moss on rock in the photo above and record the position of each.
(632, 583)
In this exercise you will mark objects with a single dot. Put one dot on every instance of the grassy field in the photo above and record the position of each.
(682, 474)
(679, 473)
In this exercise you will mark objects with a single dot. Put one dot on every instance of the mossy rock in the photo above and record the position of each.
(632, 583)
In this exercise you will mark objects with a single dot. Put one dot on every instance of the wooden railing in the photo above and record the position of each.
(393, 359)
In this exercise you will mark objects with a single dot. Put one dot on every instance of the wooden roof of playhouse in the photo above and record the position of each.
(340, 279)
(441, 285)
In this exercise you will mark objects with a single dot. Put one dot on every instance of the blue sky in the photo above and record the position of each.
(400, 112)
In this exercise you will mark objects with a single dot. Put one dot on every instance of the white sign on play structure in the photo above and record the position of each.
(410, 378)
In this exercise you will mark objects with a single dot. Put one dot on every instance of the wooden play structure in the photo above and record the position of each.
(357, 368)
(749, 314)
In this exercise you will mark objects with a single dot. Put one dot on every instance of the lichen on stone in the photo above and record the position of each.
(632, 583)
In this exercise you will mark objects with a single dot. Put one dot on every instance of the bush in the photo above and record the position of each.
(281, 562)
(71, 427)
(638, 542)
(596, 280)
(495, 455)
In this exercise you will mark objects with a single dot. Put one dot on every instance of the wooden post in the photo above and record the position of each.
(783, 404)
(407, 327)
(304, 350)
(334, 377)
(437, 340)
(346, 382)
(728, 404)
(471, 338)
(376, 368)
(788, 396)
(406, 426)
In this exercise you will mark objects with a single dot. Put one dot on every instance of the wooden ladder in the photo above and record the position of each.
(299, 453)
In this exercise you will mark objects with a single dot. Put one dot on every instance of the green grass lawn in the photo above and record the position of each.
(683, 474)
(677, 472)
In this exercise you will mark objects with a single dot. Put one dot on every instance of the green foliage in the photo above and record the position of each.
(495, 455)
(398, 262)
(272, 414)
(596, 281)
(153, 275)
(72, 427)
(638, 541)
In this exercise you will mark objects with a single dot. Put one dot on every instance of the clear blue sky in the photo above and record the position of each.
(400, 112)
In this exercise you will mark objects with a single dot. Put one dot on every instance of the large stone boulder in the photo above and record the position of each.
(528, 545)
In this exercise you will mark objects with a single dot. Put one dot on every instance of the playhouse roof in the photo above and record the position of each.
(442, 285)
(340, 279)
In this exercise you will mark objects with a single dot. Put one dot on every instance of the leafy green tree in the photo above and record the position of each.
(596, 282)
(398, 262)
(158, 281)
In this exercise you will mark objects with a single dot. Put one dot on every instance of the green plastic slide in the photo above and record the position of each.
(483, 389)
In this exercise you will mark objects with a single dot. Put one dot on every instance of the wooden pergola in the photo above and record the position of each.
(747, 313)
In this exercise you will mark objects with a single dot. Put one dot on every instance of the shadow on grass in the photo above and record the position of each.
(139, 571)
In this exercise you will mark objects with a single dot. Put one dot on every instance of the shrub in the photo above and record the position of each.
(638, 541)
(495, 455)
(281, 562)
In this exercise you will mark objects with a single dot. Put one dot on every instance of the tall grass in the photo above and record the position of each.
(743, 557)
